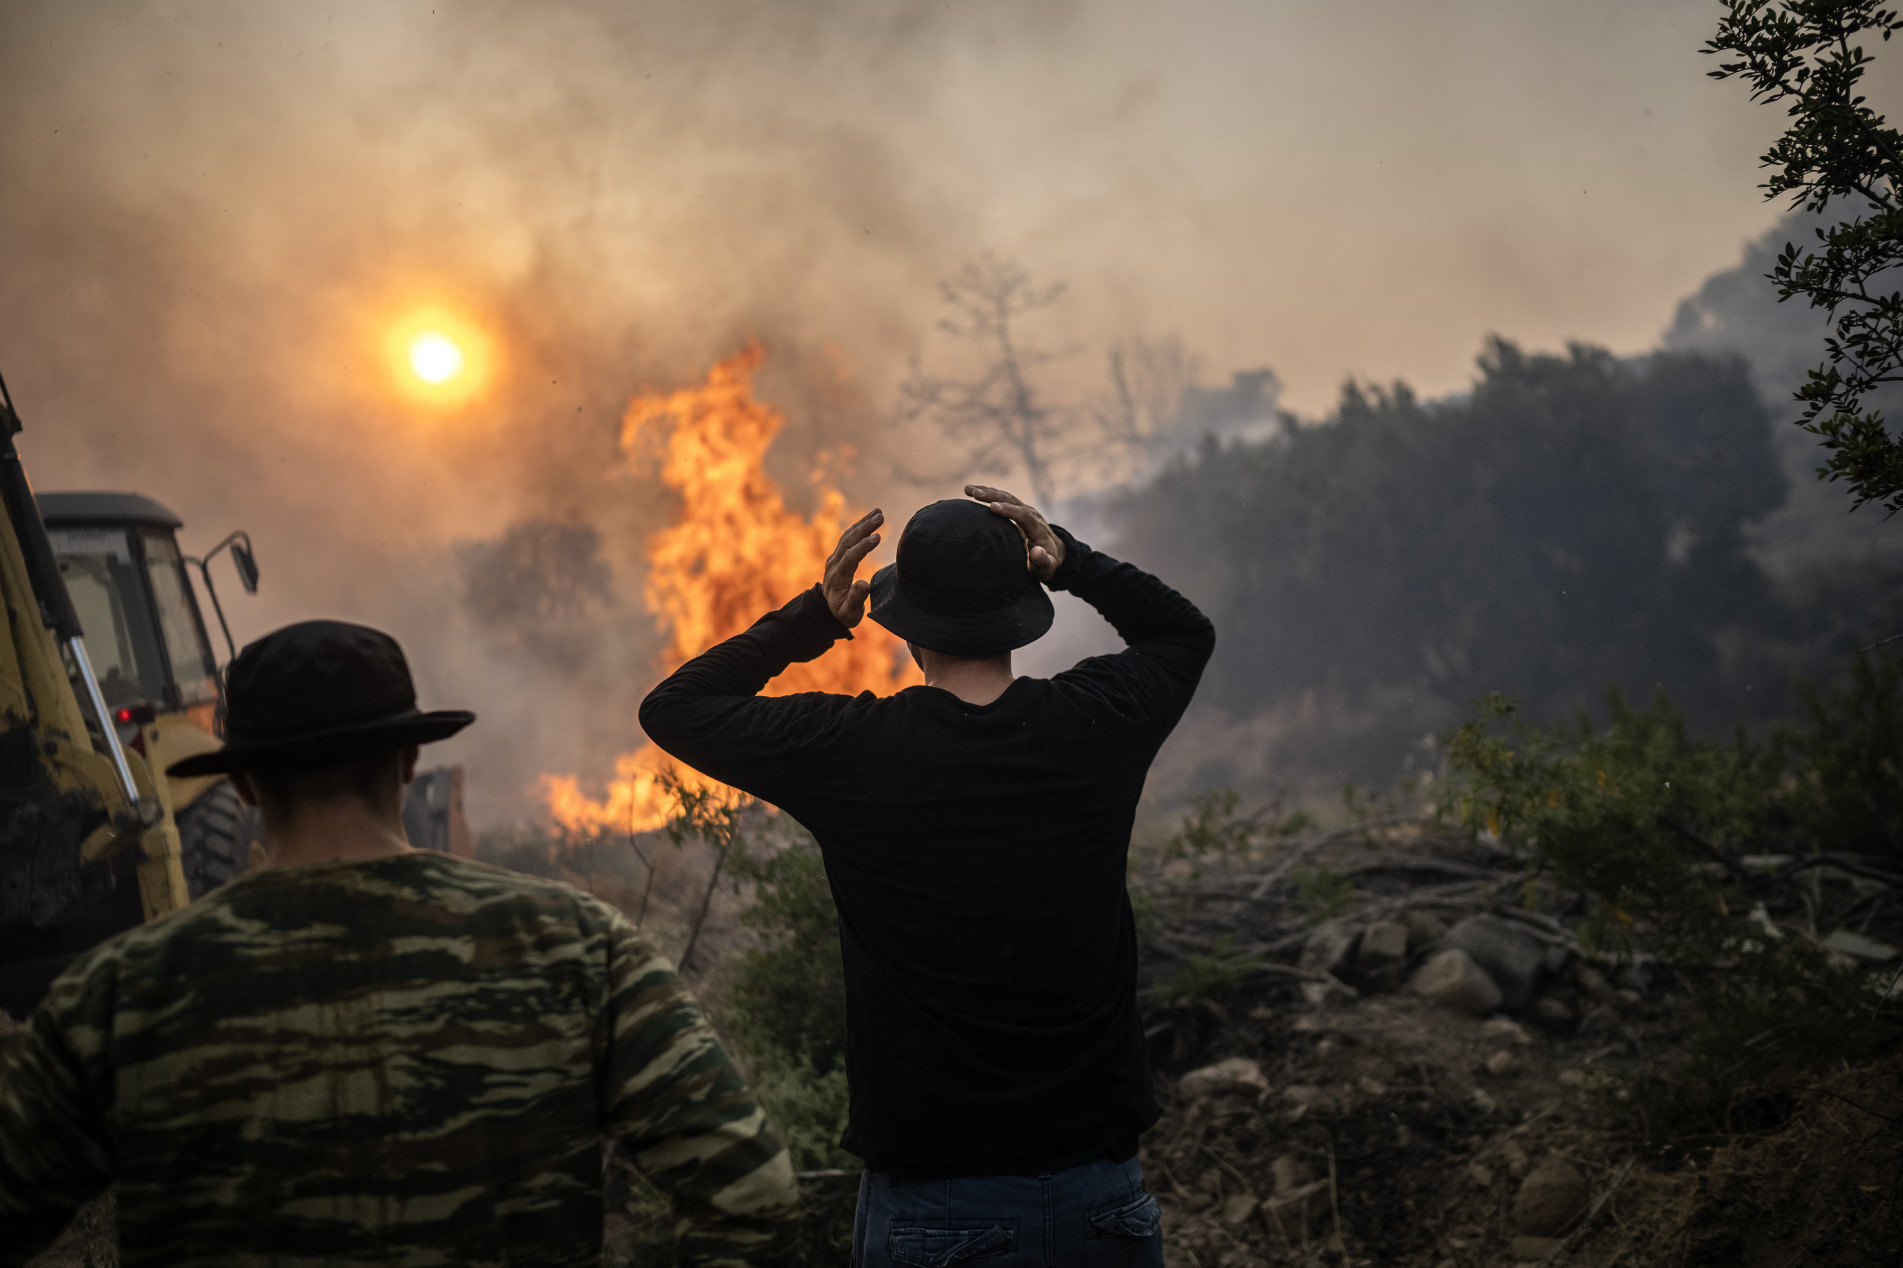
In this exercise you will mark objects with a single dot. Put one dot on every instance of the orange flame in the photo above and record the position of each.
(736, 552)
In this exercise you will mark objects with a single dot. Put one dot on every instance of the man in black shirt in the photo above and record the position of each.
(975, 832)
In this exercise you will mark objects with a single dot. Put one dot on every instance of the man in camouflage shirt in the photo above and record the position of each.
(362, 1053)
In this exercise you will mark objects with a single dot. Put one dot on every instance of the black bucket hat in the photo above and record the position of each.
(960, 585)
(319, 692)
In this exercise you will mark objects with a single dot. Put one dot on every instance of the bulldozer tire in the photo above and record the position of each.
(214, 835)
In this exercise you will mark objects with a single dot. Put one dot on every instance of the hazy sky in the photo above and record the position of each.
(211, 215)
(1366, 187)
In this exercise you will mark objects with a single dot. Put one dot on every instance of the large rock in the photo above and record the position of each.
(1452, 978)
(1330, 948)
(1233, 1074)
(1552, 1196)
(1512, 957)
(1424, 929)
(1383, 946)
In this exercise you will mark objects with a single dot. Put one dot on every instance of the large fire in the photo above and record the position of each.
(736, 552)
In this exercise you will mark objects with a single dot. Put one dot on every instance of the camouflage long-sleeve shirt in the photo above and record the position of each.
(411, 1060)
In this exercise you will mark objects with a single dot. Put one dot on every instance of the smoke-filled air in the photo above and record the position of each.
(378, 283)
(1532, 834)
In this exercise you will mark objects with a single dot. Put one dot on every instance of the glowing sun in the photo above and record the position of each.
(440, 358)
(435, 358)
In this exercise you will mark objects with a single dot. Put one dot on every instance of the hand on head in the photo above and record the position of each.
(1043, 549)
(844, 595)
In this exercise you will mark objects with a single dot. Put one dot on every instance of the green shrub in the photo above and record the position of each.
(808, 1108)
(1212, 834)
(1666, 835)
(785, 1011)
(1206, 976)
(1212, 831)
(1325, 893)
(1845, 770)
(788, 999)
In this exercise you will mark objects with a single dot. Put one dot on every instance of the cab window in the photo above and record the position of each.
(102, 576)
(185, 642)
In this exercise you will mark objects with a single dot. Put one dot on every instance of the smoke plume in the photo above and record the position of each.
(215, 213)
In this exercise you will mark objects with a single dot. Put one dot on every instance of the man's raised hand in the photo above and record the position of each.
(844, 595)
(1043, 549)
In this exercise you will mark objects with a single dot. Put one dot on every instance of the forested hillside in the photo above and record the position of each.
(1576, 522)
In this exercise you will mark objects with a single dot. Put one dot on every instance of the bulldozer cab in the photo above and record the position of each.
(146, 637)
(119, 556)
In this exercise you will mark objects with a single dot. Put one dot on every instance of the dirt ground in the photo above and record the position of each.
(1391, 1131)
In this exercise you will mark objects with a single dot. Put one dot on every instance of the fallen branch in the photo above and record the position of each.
(1843, 863)
(1542, 926)
(1266, 881)
(1287, 865)
(1307, 975)
(1438, 896)
(1386, 860)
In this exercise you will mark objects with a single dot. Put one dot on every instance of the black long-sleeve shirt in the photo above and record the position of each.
(976, 855)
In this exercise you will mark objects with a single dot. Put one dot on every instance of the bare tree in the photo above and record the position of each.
(998, 413)
(1148, 380)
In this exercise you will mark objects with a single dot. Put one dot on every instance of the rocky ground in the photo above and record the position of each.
(1455, 1083)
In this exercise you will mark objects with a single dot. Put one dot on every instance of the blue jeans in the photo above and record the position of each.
(1096, 1214)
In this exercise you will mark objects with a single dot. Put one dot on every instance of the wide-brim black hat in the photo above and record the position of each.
(315, 693)
(961, 585)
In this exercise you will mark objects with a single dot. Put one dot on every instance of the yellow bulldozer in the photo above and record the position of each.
(148, 648)
(107, 676)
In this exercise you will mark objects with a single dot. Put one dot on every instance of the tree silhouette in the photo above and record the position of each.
(999, 414)
(1149, 379)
